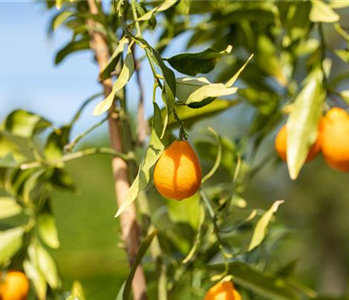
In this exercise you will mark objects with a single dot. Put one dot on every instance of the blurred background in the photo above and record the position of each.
(316, 208)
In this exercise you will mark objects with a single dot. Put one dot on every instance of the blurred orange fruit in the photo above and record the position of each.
(177, 174)
(281, 145)
(15, 286)
(335, 139)
(223, 290)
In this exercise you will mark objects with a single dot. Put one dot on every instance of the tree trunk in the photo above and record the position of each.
(128, 219)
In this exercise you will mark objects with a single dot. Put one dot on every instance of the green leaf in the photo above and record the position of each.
(113, 61)
(335, 4)
(10, 242)
(162, 7)
(262, 225)
(45, 264)
(9, 207)
(191, 116)
(121, 292)
(218, 157)
(31, 183)
(48, 230)
(322, 12)
(345, 95)
(267, 285)
(71, 47)
(343, 54)
(195, 63)
(8, 161)
(198, 238)
(232, 80)
(25, 124)
(59, 19)
(209, 152)
(169, 89)
(56, 141)
(303, 122)
(124, 77)
(197, 90)
(187, 212)
(152, 154)
(9, 152)
(77, 292)
(37, 279)
(141, 252)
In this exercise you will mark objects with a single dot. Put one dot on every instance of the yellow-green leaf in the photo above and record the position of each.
(322, 12)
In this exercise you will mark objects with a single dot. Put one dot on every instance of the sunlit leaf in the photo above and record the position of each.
(113, 61)
(77, 292)
(56, 141)
(48, 230)
(196, 90)
(232, 80)
(303, 122)
(45, 263)
(262, 225)
(335, 4)
(152, 154)
(9, 207)
(322, 12)
(162, 7)
(141, 252)
(71, 47)
(125, 75)
(195, 63)
(10, 243)
(25, 124)
(36, 278)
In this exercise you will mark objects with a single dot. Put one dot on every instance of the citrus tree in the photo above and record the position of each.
(274, 56)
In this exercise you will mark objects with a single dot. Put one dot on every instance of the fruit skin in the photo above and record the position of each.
(335, 139)
(281, 145)
(177, 174)
(223, 291)
(15, 286)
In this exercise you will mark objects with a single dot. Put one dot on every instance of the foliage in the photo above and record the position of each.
(219, 235)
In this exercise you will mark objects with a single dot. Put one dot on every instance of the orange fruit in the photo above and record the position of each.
(281, 145)
(223, 290)
(15, 286)
(177, 174)
(335, 139)
(237, 296)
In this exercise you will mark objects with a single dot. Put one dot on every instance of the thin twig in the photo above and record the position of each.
(76, 155)
(72, 144)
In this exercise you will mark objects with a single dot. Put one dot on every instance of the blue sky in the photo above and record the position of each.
(30, 80)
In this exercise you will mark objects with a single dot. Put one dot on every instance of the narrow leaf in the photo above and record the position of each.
(302, 124)
(322, 12)
(37, 279)
(198, 90)
(237, 74)
(71, 47)
(141, 252)
(10, 243)
(113, 61)
(9, 207)
(262, 225)
(59, 19)
(124, 77)
(195, 63)
(218, 157)
(152, 154)
(48, 230)
(162, 7)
